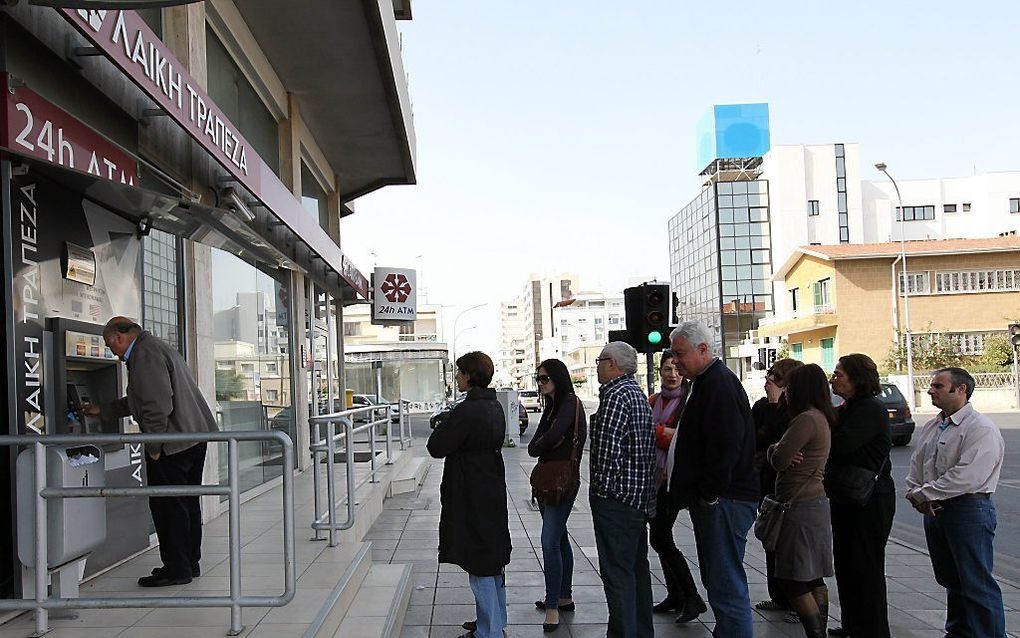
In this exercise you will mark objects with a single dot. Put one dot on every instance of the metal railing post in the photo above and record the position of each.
(371, 438)
(400, 416)
(42, 616)
(330, 486)
(316, 481)
(389, 435)
(351, 488)
(234, 521)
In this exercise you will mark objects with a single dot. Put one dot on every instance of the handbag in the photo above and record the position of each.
(769, 522)
(554, 481)
(849, 484)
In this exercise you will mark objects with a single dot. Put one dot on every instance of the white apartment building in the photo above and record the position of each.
(539, 296)
(583, 321)
(511, 365)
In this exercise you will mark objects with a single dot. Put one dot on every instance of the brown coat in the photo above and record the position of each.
(808, 434)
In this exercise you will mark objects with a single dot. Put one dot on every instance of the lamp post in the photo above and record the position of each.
(453, 344)
(906, 287)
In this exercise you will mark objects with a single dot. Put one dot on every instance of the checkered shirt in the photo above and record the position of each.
(622, 451)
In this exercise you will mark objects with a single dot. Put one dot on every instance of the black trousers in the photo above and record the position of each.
(178, 519)
(859, 535)
(679, 581)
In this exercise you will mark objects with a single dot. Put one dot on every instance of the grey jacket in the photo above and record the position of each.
(162, 396)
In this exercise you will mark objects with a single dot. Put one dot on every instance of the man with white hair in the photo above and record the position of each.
(710, 465)
(623, 490)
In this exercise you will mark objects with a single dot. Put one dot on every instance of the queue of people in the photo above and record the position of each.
(698, 445)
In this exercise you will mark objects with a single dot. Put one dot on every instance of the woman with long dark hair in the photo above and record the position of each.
(682, 594)
(860, 444)
(474, 525)
(560, 436)
(771, 420)
(803, 554)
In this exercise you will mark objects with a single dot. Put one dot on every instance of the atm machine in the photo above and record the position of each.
(83, 370)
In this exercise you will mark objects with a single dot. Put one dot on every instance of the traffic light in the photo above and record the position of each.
(648, 310)
(1014, 334)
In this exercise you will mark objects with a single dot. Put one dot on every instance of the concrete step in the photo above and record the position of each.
(410, 477)
(342, 597)
(380, 604)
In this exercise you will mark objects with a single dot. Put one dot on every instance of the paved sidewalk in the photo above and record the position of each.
(407, 532)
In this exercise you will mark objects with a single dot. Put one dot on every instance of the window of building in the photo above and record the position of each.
(794, 299)
(966, 207)
(842, 210)
(232, 92)
(949, 208)
(822, 296)
(313, 198)
(1014, 204)
(917, 283)
(161, 276)
(812, 208)
(797, 351)
(153, 18)
(352, 329)
(915, 213)
(965, 281)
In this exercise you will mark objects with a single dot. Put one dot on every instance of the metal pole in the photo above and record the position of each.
(371, 438)
(234, 522)
(650, 371)
(1016, 377)
(316, 481)
(906, 292)
(330, 487)
(42, 616)
(351, 503)
(400, 416)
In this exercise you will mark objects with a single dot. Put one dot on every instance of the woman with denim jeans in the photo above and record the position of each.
(554, 440)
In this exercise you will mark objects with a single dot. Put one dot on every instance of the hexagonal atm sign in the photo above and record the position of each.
(394, 295)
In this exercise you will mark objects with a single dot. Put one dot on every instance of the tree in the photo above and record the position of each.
(578, 380)
(784, 350)
(998, 352)
(230, 385)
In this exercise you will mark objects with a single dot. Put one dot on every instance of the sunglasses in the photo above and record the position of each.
(542, 378)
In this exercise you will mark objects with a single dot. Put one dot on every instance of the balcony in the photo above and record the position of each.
(820, 316)
(421, 337)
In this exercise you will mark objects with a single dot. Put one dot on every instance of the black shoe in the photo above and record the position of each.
(692, 609)
(470, 625)
(667, 606)
(540, 604)
(162, 580)
(549, 627)
(771, 605)
(196, 571)
(839, 632)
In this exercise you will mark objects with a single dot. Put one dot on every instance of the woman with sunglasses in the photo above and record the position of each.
(554, 440)
(771, 420)
(681, 592)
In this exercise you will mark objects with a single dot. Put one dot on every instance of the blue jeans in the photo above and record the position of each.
(621, 537)
(557, 556)
(720, 532)
(490, 604)
(960, 538)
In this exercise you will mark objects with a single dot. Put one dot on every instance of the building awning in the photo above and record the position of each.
(262, 240)
(343, 57)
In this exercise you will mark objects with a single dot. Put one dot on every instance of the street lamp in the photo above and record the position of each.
(906, 288)
(453, 344)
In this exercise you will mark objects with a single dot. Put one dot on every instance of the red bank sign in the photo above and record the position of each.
(32, 126)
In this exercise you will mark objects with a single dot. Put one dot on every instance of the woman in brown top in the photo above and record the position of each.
(804, 549)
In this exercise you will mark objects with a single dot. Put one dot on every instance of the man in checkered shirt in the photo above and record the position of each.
(623, 491)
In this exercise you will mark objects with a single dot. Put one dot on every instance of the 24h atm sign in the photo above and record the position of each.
(395, 295)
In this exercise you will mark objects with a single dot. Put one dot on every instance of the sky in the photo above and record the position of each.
(560, 136)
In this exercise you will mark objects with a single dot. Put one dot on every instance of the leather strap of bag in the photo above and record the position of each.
(802, 487)
(577, 417)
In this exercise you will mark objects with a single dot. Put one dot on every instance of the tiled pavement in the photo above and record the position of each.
(407, 532)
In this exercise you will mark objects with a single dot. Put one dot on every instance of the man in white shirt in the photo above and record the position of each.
(953, 474)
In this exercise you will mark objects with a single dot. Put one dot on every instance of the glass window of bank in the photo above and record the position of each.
(251, 329)
(314, 198)
(231, 91)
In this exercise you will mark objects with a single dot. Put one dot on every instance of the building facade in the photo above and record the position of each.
(189, 167)
(512, 367)
(849, 298)
(539, 296)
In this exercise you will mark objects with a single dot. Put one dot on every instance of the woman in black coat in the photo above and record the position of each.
(473, 527)
(859, 532)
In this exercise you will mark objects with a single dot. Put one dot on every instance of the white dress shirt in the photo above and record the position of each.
(957, 454)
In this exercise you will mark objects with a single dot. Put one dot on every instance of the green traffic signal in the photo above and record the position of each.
(654, 337)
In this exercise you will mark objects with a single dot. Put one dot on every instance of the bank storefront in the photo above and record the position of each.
(148, 182)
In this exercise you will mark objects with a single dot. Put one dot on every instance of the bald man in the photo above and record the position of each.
(162, 396)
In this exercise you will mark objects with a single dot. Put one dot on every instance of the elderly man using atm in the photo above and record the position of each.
(162, 396)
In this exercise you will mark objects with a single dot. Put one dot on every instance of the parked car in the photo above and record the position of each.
(530, 399)
(901, 422)
(522, 417)
(363, 400)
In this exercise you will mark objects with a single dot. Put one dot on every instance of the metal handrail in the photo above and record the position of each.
(236, 601)
(325, 443)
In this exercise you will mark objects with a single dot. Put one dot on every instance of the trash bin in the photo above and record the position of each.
(74, 526)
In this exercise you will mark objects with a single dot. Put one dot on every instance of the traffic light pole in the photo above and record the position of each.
(1016, 377)
(650, 370)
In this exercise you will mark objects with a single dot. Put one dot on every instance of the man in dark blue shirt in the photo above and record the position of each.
(623, 490)
(710, 466)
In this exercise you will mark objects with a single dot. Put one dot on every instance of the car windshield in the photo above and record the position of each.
(891, 394)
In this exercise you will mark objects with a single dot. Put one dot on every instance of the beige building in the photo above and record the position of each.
(839, 299)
